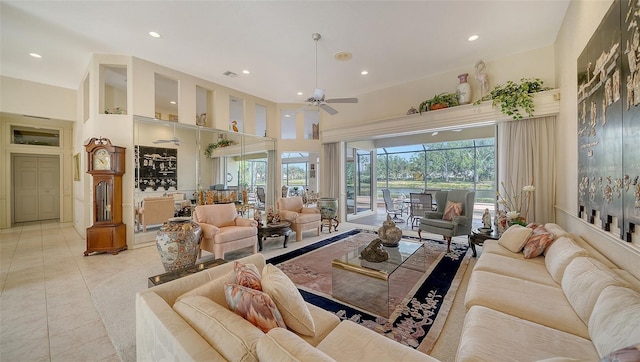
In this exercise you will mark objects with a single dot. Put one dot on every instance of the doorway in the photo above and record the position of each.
(36, 187)
(359, 175)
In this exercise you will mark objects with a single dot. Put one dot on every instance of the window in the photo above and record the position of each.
(295, 169)
(35, 136)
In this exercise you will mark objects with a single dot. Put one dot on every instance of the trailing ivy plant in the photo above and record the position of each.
(513, 97)
(212, 146)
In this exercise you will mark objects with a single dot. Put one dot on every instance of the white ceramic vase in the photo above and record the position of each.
(464, 90)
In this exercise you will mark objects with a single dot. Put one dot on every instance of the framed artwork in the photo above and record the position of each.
(156, 168)
(76, 167)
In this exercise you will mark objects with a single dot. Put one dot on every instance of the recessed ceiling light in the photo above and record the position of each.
(36, 55)
(287, 115)
(300, 93)
(434, 133)
(246, 71)
(364, 72)
(473, 37)
(155, 35)
(343, 56)
(173, 102)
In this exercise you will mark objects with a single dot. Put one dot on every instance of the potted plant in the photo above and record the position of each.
(442, 100)
(212, 146)
(515, 97)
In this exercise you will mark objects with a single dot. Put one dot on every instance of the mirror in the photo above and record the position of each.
(177, 160)
(166, 98)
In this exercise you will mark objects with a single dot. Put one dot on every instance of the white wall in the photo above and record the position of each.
(581, 21)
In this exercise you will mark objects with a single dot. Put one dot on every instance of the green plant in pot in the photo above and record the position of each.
(442, 100)
(515, 97)
(208, 152)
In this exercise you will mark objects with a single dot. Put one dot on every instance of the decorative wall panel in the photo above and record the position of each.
(156, 168)
(608, 122)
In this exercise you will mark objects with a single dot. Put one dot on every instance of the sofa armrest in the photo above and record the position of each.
(288, 215)
(433, 215)
(246, 222)
(208, 230)
(310, 210)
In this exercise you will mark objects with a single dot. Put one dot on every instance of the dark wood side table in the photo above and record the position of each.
(282, 228)
(330, 222)
(478, 236)
(177, 274)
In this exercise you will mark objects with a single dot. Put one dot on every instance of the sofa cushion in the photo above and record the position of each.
(291, 203)
(282, 345)
(452, 210)
(288, 299)
(233, 233)
(247, 275)
(627, 354)
(218, 214)
(490, 335)
(213, 289)
(515, 237)
(538, 303)
(324, 322)
(352, 342)
(233, 337)
(517, 268)
(583, 280)
(253, 305)
(615, 321)
(492, 247)
(559, 255)
(629, 278)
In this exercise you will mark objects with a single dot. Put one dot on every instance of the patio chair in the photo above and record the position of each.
(419, 204)
(261, 197)
(391, 208)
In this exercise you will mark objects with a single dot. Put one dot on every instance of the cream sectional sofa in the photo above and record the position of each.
(188, 320)
(569, 303)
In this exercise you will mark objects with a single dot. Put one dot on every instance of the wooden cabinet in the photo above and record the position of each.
(106, 165)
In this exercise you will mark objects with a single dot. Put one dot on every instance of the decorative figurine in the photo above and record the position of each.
(500, 221)
(389, 233)
(486, 219)
(482, 78)
(374, 252)
(412, 110)
(257, 216)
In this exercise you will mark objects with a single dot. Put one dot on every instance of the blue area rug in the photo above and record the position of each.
(418, 321)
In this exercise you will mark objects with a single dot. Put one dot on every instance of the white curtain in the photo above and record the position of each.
(526, 155)
(270, 190)
(330, 181)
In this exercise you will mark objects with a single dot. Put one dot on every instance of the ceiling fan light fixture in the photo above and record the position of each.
(343, 56)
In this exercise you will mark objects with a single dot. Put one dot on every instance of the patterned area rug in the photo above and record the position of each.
(419, 301)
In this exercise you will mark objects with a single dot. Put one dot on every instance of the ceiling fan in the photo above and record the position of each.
(318, 94)
(175, 140)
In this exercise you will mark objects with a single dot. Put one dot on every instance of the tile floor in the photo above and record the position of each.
(46, 310)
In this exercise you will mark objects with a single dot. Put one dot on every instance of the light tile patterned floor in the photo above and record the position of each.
(46, 311)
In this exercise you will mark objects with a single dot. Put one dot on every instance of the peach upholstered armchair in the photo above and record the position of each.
(301, 218)
(223, 230)
(155, 211)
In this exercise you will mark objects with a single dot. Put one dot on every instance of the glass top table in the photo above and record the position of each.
(366, 284)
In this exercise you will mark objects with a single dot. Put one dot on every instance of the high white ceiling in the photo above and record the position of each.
(396, 41)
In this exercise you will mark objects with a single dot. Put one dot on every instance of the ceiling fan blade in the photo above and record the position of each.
(342, 100)
(328, 109)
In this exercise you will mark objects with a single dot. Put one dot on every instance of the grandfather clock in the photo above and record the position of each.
(106, 165)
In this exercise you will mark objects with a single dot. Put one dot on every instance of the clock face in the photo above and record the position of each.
(102, 160)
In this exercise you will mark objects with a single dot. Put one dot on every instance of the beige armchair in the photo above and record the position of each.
(155, 210)
(223, 230)
(301, 218)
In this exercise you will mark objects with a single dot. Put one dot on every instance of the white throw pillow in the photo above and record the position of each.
(288, 299)
(515, 237)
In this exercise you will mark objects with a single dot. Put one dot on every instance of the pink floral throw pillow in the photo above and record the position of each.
(537, 242)
(247, 275)
(254, 306)
(452, 210)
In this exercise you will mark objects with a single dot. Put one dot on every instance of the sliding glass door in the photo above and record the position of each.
(359, 174)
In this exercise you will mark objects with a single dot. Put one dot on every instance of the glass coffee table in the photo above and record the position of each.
(366, 284)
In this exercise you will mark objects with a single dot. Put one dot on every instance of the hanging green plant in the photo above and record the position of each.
(442, 100)
(513, 97)
(208, 152)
